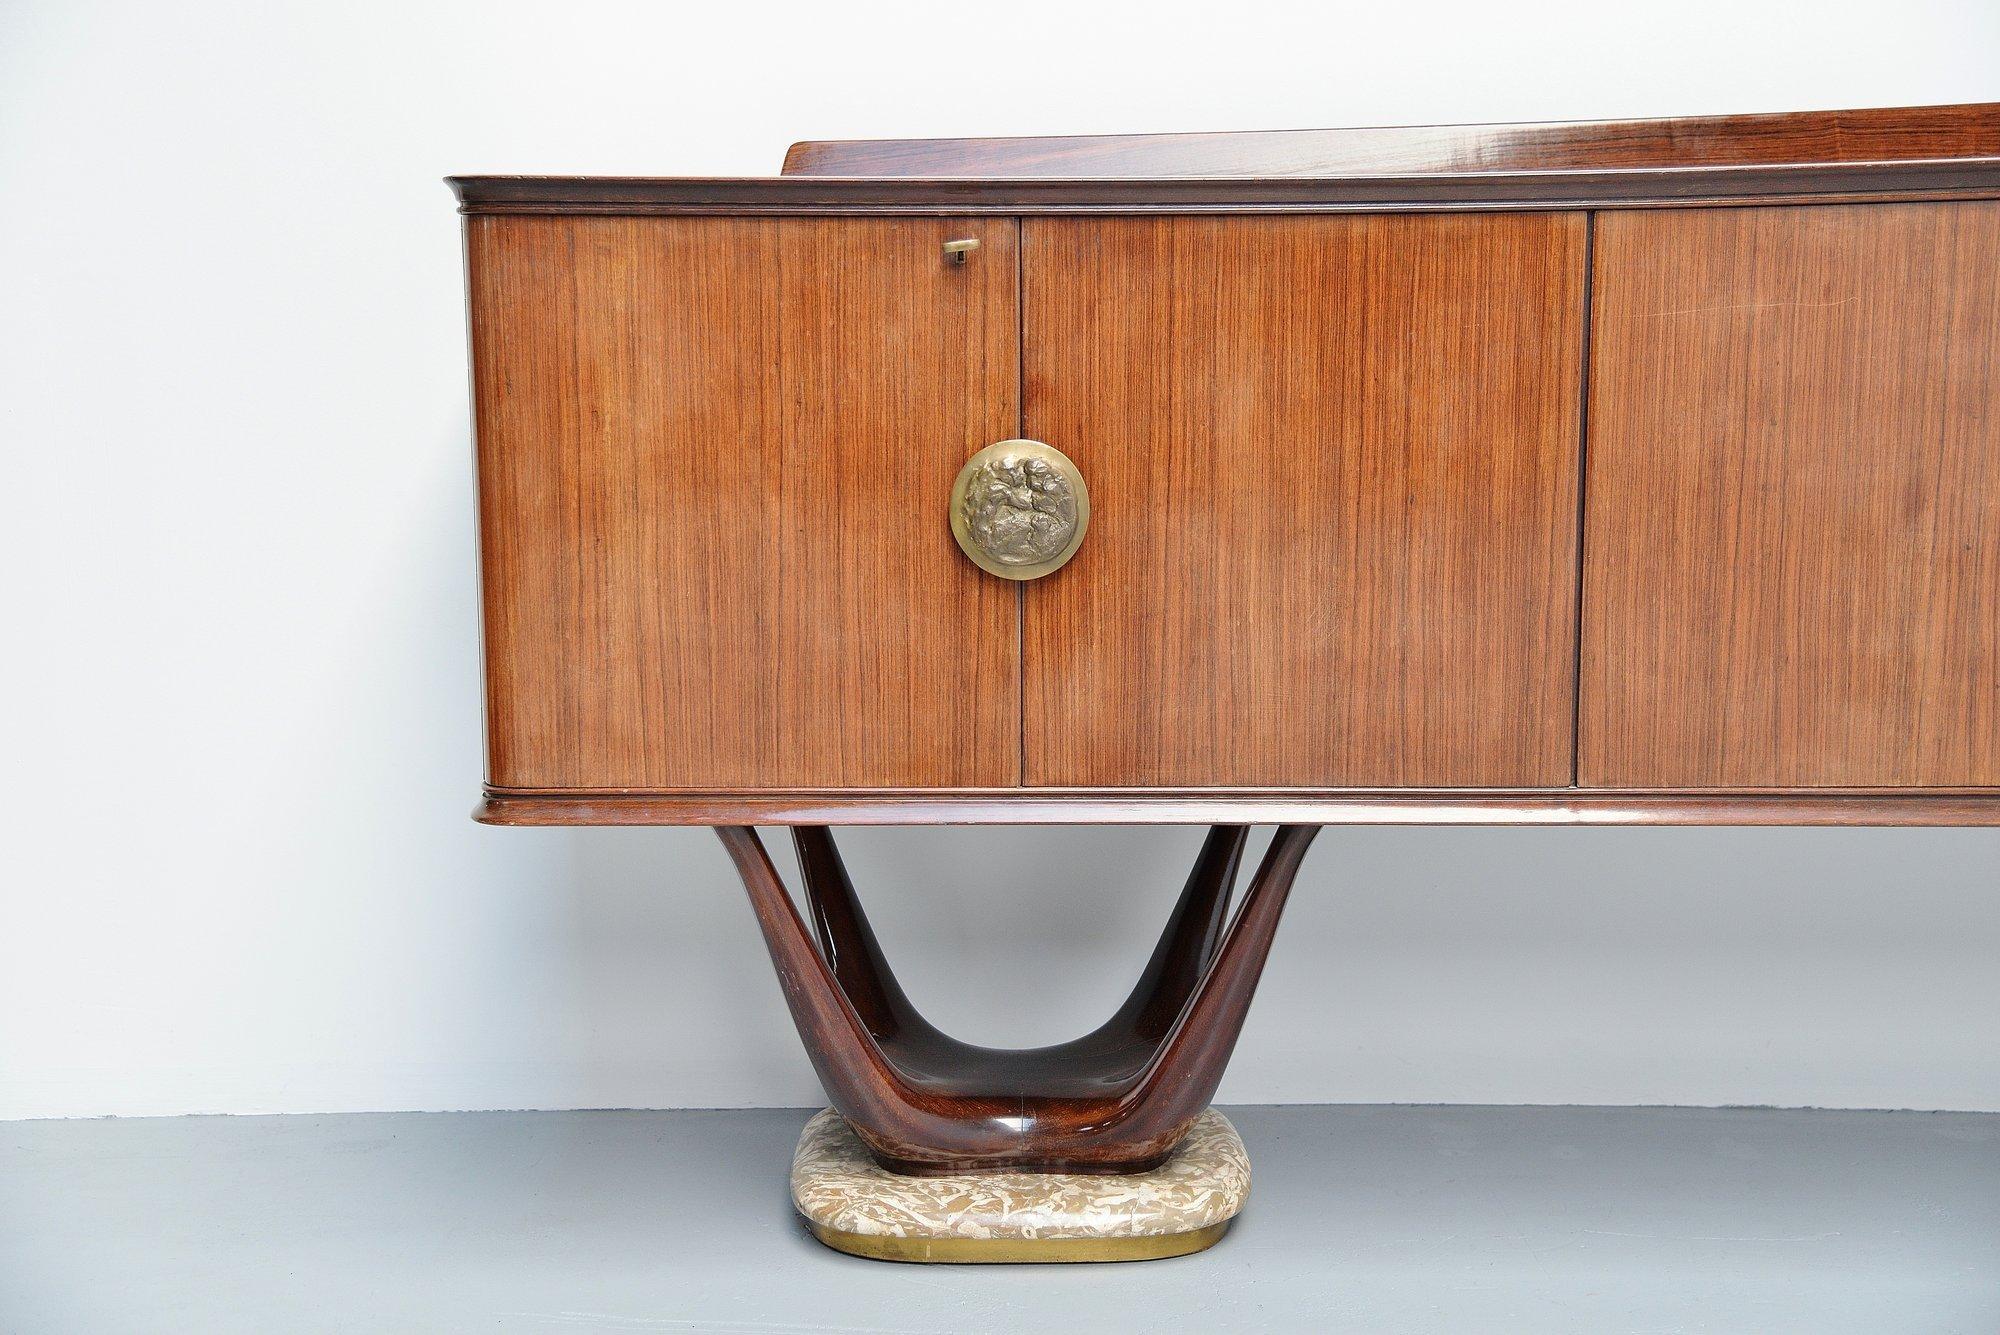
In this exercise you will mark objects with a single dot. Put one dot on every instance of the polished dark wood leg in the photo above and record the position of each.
(1117, 1100)
(852, 952)
(1185, 948)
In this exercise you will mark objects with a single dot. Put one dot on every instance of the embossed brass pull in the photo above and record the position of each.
(1019, 509)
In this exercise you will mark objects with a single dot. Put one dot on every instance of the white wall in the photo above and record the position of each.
(241, 722)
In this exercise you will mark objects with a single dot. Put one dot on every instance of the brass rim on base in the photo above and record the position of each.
(1020, 1251)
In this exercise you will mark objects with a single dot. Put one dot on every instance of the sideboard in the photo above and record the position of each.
(1648, 476)
(1598, 472)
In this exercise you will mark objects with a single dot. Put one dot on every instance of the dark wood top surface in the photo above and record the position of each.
(1825, 156)
(1882, 134)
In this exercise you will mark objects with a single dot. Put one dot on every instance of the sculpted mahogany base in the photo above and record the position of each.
(1117, 1100)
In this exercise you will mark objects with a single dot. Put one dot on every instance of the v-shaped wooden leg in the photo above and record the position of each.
(1185, 947)
(1116, 1100)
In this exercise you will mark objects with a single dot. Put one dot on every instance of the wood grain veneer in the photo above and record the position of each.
(1793, 562)
(1326, 399)
(1876, 134)
(711, 458)
(1333, 468)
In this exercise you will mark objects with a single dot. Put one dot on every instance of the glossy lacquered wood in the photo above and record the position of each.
(713, 456)
(1333, 464)
(1878, 134)
(1613, 188)
(1118, 1099)
(1793, 568)
(1879, 154)
(1136, 806)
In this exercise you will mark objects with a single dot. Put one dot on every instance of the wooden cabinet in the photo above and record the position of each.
(1644, 473)
(1334, 470)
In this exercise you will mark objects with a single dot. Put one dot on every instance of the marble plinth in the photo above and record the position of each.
(854, 1205)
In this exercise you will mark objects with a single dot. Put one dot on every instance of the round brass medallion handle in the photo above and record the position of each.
(1019, 509)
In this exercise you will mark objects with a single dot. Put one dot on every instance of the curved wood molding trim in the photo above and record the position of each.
(1879, 134)
(1276, 807)
(780, 196)
(1899, 153)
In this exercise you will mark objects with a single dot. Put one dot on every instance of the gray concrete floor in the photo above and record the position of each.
(1363, 1218)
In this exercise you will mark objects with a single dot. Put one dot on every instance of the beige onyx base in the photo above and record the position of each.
(854, 1205)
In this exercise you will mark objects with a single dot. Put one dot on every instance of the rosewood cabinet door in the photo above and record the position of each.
(1793, 565)
(1333, 475)
(714, 455)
